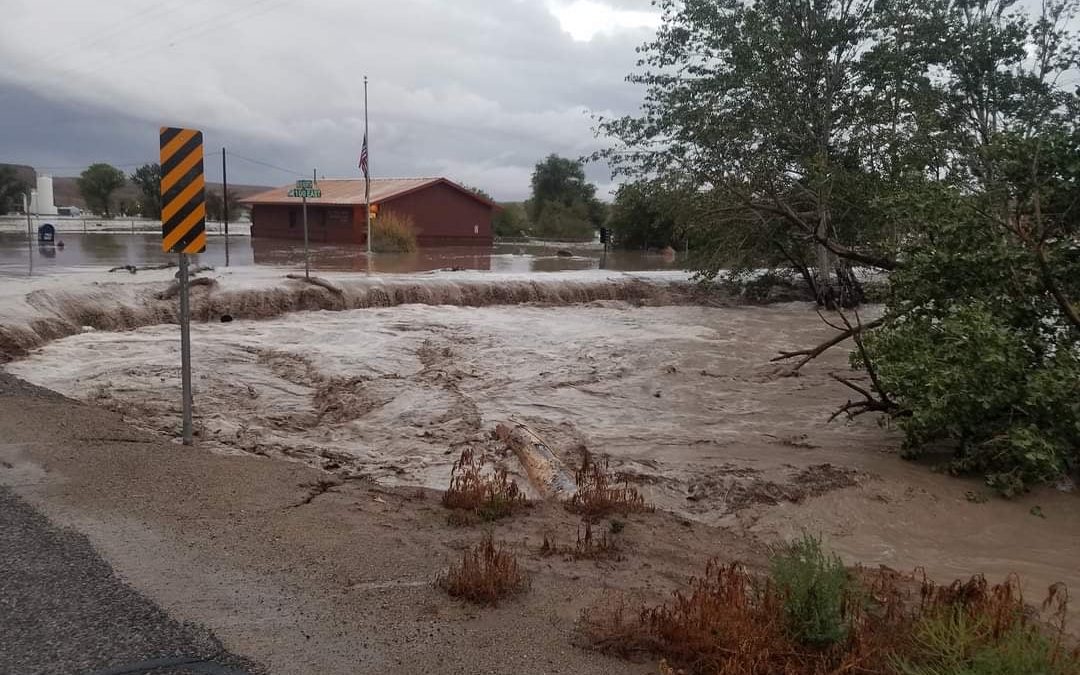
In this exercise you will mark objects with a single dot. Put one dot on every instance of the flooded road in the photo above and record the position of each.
(682, 399)
(99, 249)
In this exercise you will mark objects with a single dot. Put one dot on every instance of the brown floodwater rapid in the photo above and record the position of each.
(683, 399)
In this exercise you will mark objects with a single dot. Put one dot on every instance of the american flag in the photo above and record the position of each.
(363, 157)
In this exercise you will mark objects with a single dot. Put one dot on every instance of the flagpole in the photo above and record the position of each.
(367, 177)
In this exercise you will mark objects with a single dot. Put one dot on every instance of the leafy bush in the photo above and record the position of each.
(392, 233)
(815, 588)
(510, 220)
(560, 222)
(979, 360)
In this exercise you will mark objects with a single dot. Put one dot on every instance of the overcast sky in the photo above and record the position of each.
(476, 90)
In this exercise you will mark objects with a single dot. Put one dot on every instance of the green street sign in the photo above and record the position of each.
(305, 184)
(305, 193)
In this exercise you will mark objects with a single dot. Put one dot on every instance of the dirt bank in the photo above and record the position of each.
(311, 581)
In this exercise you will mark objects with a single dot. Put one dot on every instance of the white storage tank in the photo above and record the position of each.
(45, 204)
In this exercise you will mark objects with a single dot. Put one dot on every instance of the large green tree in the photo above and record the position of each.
(651, 215)
(510, 220)
(97, 185)
(934, 141)
(148, 179)
(12, 190)
(979, 351)
(563, 203)
(775, 110)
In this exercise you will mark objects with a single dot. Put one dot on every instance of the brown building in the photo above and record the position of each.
(443, 213)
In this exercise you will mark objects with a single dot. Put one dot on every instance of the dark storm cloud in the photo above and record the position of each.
(475, 89)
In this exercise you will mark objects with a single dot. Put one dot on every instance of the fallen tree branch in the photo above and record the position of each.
(545, 470)
(868, 363)
(316, 281)
(855, 408)
(814, 352)
(174, 288)
(133, 268)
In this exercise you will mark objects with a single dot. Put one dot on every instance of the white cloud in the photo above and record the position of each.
(478, 89)
(584, 19)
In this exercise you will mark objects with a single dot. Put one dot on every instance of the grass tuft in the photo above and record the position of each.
(486, 574)
(589, 545)
(489, 495)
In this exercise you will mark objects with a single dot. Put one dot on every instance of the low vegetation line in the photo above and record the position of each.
(809, 615)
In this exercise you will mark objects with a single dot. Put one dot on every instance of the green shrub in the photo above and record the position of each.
(558, 222)
(392, 233)
(979, 358)
(957, 643)
(1007, 404)
(815, 589)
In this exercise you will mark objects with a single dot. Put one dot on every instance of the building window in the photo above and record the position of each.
(476, 229)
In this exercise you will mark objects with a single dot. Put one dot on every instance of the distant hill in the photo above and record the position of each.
(66, 188)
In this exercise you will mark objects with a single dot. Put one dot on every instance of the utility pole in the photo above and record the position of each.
(225, 202)
(367, 176)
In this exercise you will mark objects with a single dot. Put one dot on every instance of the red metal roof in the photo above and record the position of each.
(350, 191)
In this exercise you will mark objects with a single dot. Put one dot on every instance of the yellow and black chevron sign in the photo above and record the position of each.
(183, 200)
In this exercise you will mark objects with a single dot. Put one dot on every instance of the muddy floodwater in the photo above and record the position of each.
(114, 249)
(682, 399)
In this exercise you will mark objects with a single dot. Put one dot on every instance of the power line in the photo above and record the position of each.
(128, 165)
(204, 25)
(123, 165)
(113, 31)
(292, 172)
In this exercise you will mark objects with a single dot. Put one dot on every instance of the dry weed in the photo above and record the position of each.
(589, 546)
(732, 622)
(490, 495)
(487, 573)
(601, 492)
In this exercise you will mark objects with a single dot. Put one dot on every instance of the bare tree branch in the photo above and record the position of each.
(1051, 284)
(868, 363)
(814, 352)
(784, 210)
(1038, 249)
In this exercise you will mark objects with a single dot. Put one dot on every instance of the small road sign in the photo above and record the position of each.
(183, 198)
(305, 193)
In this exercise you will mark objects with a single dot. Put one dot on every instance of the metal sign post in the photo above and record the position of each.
(307, 264)
(183, 230)
(29, 235)
(303, 190)
(185, 348)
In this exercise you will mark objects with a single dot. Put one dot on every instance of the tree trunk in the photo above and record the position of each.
(825, 285)
(546, 472)
(835, 284)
